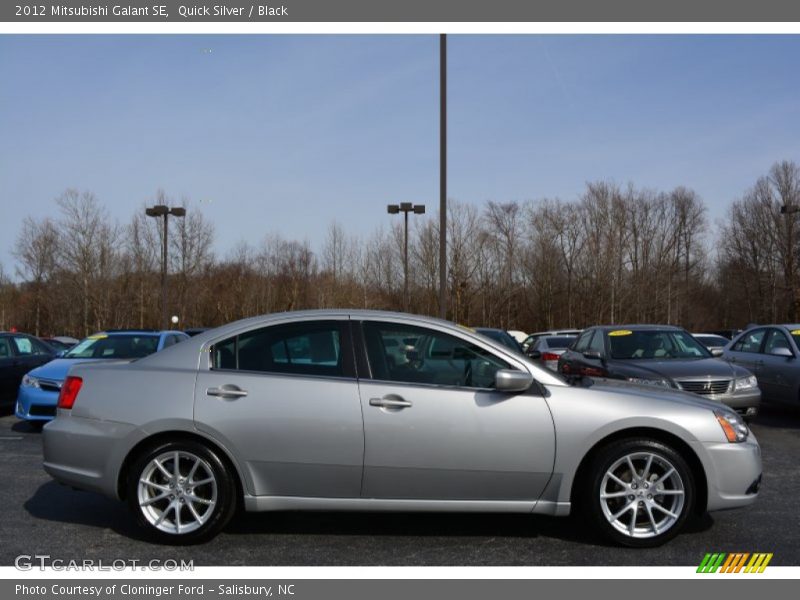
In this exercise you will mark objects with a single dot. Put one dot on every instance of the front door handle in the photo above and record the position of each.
(389, 402)
(226, 391)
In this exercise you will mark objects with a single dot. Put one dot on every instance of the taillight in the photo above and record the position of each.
(549, 356)
(69, 391)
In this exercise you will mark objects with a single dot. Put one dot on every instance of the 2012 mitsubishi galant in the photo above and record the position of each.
(317, 410)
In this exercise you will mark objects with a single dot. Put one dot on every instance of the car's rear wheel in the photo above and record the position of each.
(181, 492)
(640, 492)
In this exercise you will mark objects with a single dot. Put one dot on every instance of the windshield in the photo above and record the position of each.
(115, 346)
(564, 341)
(712, 340)
(655, 345)
(500, 336)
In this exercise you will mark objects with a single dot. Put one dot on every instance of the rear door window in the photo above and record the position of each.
(750, 341)
(304, 348)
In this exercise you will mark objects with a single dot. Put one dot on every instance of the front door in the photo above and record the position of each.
(435, 429)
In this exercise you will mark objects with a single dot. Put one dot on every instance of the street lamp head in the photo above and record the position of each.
(406, 206)
(159, 210)
(393, 209)
(177, 211)
(419, 209)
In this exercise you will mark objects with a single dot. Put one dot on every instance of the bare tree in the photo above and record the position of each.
(36, 252)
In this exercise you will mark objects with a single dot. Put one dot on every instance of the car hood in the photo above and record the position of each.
(57, 369)
(654, 393)
(675, 369)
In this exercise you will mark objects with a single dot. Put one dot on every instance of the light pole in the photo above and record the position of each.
(405, 208)
(443, 176)
(162, 210)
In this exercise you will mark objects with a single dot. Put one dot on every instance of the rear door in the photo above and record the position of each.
(8, 370)
(776, 373)
(746, 350)
(31, 353)
(436, 430)
(284, 399)
(572, 359)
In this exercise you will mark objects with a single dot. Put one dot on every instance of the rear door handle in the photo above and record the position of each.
(226, 391)
(389, 402)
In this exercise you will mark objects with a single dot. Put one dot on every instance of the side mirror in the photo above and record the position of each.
(508, 380)
(785, 352)
(534, 354)
(594, 354)
(60, 353)
(717, 352)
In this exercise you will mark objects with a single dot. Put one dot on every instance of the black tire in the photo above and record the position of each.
(656, 499)
(213, 504)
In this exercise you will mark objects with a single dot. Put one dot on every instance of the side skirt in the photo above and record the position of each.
(274, 503)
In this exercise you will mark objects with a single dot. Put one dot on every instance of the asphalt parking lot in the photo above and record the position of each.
(42, 517)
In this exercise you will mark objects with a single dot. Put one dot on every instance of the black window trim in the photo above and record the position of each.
(348, 358)
(362, 360)
(748, 332)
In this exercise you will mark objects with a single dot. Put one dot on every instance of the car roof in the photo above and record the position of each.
(640, 327)
(789, 326)
(154, 333)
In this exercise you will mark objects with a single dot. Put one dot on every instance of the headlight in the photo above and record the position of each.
(746, 383)
(659, 382)
(733, 425)
(28, 381)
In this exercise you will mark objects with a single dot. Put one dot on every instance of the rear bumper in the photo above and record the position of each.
(86, 453)
(733, 472)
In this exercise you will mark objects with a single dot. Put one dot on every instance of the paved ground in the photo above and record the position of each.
(42, 517)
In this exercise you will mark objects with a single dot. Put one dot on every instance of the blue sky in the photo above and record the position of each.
(286, 133)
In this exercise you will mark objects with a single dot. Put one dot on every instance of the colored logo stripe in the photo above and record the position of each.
(735, 562)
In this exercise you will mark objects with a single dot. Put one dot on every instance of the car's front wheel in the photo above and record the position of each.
(181, 492)
(640, 492)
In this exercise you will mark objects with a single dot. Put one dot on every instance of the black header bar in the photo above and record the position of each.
(466, 11)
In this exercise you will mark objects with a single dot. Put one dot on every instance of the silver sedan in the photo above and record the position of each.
(317, 410)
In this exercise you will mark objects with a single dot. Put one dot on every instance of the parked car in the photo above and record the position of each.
(19, 353)
(660, 355)
(519, 336)
(714, 343)
(39, 389)
(501, 336)
(534, 336)
(308, 411)
(60, 344)
(548, 348)
(771, 352)
(193, 331)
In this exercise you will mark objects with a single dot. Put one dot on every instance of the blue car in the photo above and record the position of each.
(38, 392)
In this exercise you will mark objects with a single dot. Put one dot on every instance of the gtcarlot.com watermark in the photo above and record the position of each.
(42, 562)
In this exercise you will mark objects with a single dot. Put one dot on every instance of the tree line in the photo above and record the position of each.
(615, 254)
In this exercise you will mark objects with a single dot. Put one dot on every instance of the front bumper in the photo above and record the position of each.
(733, 472)
(745, 403)
(35, 404)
